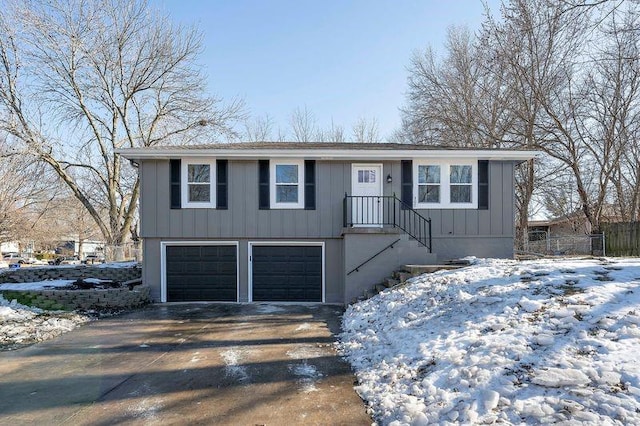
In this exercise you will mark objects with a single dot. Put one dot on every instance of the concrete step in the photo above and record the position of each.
(380, 287)
(402, 276)
(428, 269)
(391, 282)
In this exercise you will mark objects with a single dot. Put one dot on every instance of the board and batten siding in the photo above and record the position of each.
(243, 219)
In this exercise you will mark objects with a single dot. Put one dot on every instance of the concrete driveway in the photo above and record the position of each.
(186, 364)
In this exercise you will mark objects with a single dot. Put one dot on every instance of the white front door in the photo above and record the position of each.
(366, 189)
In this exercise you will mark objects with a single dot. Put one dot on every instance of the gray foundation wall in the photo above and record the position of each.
(455, 247)
(359, 247)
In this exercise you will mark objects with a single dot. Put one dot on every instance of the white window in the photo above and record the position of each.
(428, 183)
(445, 184)
(198, 183)
(460, 183)
(287, 184)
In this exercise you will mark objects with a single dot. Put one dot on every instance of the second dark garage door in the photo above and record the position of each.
(287, 273)
(202, 273)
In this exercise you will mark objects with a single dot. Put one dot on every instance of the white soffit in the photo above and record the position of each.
(326, 154)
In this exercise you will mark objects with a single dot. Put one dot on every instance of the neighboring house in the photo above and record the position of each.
(10, 247)
(568, 235)
(314, 222)
(571, 225)
(72, 246)
(568, 226)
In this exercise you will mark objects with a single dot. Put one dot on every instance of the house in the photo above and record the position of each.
(314, 222)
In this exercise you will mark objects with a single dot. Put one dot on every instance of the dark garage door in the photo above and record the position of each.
(287, 273)
(201, 273)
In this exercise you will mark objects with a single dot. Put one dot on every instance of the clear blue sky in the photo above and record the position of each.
(342, 59)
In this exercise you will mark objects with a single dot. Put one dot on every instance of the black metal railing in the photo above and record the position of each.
(357, 268)
(387, 210)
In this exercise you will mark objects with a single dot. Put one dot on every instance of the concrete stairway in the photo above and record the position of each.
(401, 275)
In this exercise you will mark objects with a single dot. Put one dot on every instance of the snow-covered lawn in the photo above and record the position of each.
(502, 341)
(22, 325)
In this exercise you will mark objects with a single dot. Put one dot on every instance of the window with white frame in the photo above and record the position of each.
(428, 183)
(198, 183)
(440, 184)
(287, 184)
(460, 183)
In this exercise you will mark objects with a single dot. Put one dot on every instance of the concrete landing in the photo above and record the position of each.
(427, 269)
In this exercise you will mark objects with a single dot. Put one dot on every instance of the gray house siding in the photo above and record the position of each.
(456, 232)
(243, 219)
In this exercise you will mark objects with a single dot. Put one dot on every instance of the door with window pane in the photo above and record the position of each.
(366, 188)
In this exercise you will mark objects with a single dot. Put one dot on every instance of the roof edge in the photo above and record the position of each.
(326, 154)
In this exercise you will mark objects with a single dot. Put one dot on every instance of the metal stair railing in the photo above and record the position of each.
(357, 268)
(387, 210)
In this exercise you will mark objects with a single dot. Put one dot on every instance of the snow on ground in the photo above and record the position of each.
(38, 285)
(502, 341)
(22, 325)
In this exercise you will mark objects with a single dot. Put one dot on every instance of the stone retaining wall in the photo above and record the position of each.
(37, 273)
(81, 299)
(76, 299)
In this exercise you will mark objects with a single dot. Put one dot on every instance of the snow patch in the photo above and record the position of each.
(557, 377)
(38, 285)
(504, 342)
(308, 376)
(269, 309)
(304, 326)
(232, 359)
(22, 325)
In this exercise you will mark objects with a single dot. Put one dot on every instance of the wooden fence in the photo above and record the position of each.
(622, 239)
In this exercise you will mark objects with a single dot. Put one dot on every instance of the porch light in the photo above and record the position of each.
(389, 179)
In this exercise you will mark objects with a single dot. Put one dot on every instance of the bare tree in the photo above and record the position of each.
(451, 101)
(612, 123)
(537, 44)
(335, 133)
(258, 129)
(80, 79)
(23, 199)
(366, 131)
(303, 125)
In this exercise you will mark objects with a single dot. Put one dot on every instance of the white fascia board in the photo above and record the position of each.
(326, 154)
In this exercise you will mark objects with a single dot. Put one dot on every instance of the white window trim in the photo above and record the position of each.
(272, 184)
(184, 184)
(252, 244)
(445, 184)
(163, 262)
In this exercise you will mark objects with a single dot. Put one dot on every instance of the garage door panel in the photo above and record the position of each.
(287, 273)
(224, 268)
(201, 273)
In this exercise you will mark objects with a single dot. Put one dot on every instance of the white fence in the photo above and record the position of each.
(128, 251)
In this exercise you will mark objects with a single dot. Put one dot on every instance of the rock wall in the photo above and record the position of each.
(62, 299)
(112, 298)
(44, 273)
